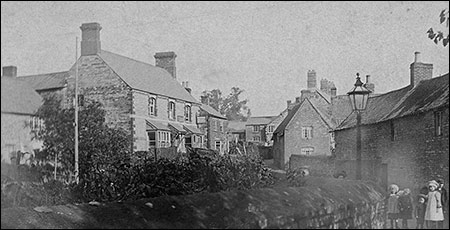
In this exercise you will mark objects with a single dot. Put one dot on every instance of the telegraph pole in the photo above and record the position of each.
(77, 179)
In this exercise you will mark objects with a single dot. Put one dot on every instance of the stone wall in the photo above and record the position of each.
(412, 152)
(322, 203)
(318, 165)
(306, 116)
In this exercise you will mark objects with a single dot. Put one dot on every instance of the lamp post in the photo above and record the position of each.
(358, 97)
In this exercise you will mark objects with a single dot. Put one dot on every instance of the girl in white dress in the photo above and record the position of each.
(433, 212)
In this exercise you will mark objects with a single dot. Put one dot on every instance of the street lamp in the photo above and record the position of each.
(358, 97)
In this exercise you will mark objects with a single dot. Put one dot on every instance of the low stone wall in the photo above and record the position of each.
(318, 165)
(322, 203)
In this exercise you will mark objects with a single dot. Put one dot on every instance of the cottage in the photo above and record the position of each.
(306, 131)
(215, 126)
(19, 104)
(405, 132)
(255, 129)
(145, 100)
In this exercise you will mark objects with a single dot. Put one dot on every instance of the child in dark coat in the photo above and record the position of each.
(420, 211)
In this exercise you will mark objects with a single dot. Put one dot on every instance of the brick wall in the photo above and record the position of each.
(415, 156)
(322, 203)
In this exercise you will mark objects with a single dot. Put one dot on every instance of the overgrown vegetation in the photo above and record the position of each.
(109, 172)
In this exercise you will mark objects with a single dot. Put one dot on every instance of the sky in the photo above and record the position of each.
(264, 48)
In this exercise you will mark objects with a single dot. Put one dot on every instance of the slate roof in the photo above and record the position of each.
(146, 77)
(262, 120)
(236, 126)
(211, 111)
(320, 110)
(18, 97)
(427, 95)
(46, 81)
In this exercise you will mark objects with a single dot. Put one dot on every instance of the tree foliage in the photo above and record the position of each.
(230, 105)
(438, 36)
(98, 144)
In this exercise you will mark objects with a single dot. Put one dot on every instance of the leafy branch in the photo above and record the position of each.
(438, 36)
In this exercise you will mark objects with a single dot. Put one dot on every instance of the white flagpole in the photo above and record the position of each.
(77, 179)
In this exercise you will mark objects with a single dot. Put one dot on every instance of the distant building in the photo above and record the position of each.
(145, 100)
(236, 131)
(272, 126)
(255, 129)
(214, 125)
(306, 130)
(19, 104)
(405, 133)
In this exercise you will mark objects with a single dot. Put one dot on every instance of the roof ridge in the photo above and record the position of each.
(320, 113)
(42, 74)
(129, 58)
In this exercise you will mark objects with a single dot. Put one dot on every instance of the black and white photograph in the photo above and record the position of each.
(225, 114)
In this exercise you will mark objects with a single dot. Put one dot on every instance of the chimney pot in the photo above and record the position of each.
(333, 91)
(416, 56)
(90, 38)
(10, 71)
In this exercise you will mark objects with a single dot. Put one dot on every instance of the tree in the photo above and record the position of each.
(98, 144)
(229, 106)
(439, 35)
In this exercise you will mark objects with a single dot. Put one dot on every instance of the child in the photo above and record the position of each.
(405, 207)
(392, 204)
(433, 211)
(420, 211)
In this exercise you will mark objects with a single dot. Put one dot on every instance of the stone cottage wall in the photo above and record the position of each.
(414, 154)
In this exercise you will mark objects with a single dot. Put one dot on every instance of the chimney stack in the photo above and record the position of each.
(333, 91)
(305, 94)
(186, 86)
(369, 85)
(90, 38)
(419, 71)
(297, 99)
(204, 99)
(166, 60)
(312, 82)
(9, 71)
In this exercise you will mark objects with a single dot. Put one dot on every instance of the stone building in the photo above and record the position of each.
(19, 104)
(215, 126)
(405, 133)
(306, 130)
(236, 131)
(145, 100)
(272, 126)
(255, 129)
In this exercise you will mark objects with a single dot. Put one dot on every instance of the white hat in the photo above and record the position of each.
(433, 183)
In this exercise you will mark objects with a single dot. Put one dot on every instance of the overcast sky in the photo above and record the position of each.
(265, 48)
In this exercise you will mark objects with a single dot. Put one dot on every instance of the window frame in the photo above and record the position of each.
(307, 151)
(188, 113)
(256, 128)
(307, 132)
(171, 110)
(152, 106)
(438, 123)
